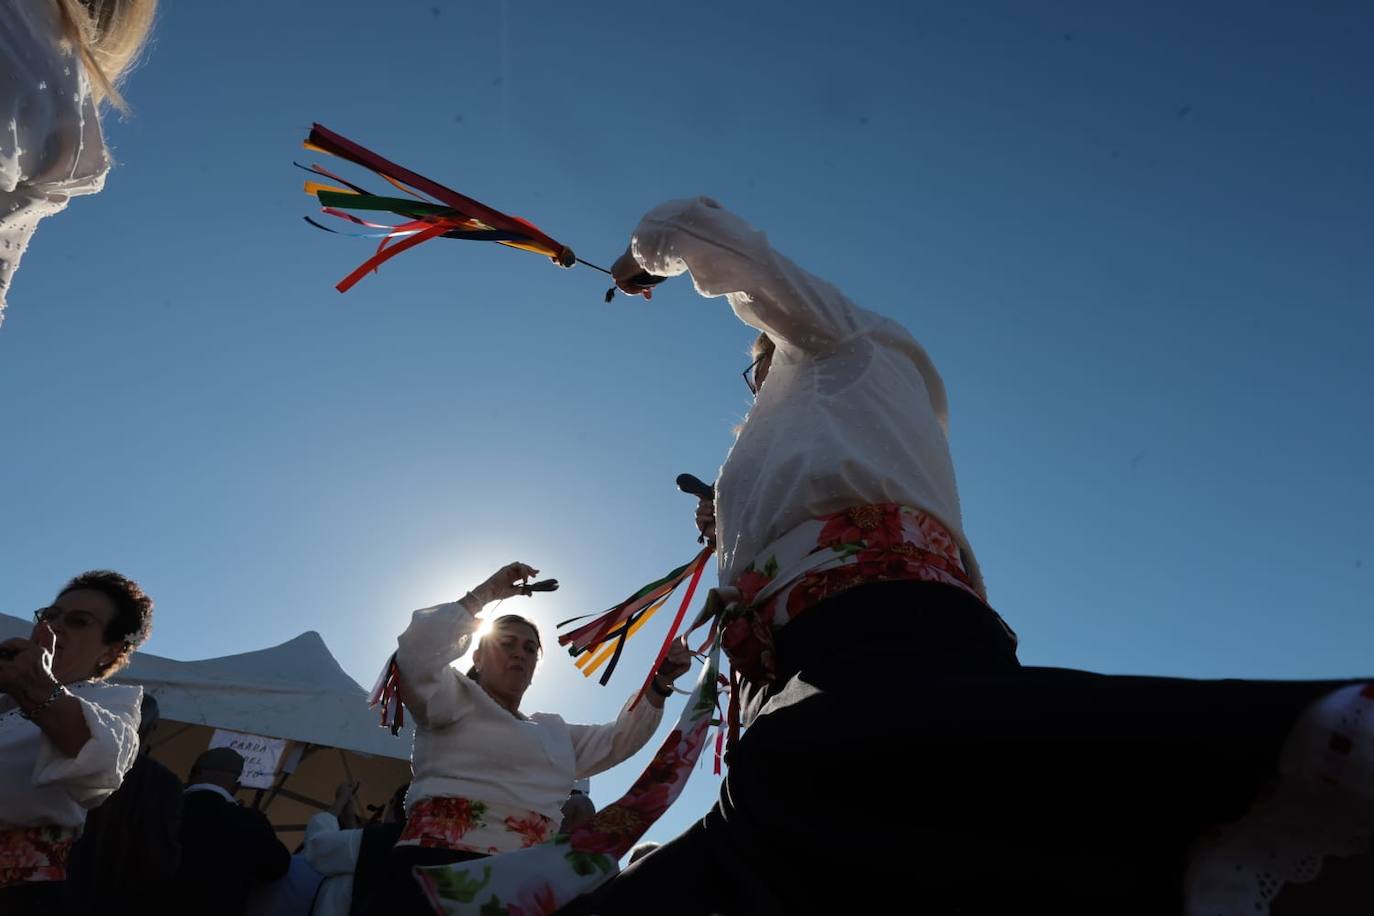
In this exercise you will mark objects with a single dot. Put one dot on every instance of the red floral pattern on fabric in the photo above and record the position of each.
(537, 898)
(751, 582)
(817, 587)
(442, 822)
(533, 828)
(473, 826)
(869, 543)
(34, 854)
(618, 826)
(871, 525)
(748, 640)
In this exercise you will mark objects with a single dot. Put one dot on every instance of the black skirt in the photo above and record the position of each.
(395, 891)
(35, 898)
(906, 762)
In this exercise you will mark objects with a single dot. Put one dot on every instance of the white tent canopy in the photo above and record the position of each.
(295, 691)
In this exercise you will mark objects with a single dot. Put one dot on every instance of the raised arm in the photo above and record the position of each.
(802, 314)
(434, 692)
(438, 635)
(728, 257)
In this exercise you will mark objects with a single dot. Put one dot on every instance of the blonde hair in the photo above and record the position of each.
(107, 36)
(762, 346)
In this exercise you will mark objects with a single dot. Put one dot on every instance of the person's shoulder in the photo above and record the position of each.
(204, 807)
(158, 773)
(688, 212)
(259, 820)
(246, 820)
(123, 699)
(42, 76)
(247, 812)
(108, 691)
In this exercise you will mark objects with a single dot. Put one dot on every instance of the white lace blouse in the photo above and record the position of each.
(468, 746)
(39, 785)
(51, 148)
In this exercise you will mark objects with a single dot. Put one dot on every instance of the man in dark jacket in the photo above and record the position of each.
(126, 862)
(226, 848)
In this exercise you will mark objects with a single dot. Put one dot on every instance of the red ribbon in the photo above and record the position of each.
(475, 209)
(677, 621)
(387, 252)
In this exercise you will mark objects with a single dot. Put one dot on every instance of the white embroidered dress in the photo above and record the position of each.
(51, 148)
(469, 747)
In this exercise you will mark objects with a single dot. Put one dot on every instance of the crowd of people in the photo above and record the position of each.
(893, 747)
(91, 823)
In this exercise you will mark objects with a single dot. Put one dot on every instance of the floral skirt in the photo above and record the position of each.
(473, 826)
(34, 854)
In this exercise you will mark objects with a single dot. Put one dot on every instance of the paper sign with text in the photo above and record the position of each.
(261, 755)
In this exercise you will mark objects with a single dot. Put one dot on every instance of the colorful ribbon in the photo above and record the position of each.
(443, 212)
(386, 693)
(603, 639)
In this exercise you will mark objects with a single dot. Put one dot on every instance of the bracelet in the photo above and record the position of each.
(58, 690)
(661, 691)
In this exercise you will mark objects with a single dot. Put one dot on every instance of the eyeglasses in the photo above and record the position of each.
(750, 373)
(72, 620)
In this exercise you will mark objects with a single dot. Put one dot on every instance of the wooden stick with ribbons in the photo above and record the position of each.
(430, 211)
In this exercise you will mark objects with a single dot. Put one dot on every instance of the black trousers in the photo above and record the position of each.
(907, 762)
(34, 898)
(396, 892)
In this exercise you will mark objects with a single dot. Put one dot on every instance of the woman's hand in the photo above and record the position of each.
(26, 668)
(28, 677)
(678, 662)
(675, 664)
(706, 518)
(629, 276)
(506, 582)
(343, 808)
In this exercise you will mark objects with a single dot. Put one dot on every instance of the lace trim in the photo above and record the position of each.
(1323, 807)
(1241, 868)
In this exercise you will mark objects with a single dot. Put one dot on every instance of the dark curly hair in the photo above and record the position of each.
(133, 617)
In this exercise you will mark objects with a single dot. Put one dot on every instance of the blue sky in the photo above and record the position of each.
(1137, 242)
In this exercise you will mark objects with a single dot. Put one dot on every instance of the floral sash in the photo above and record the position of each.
(473, 826)
(823, 557)
(34, 854)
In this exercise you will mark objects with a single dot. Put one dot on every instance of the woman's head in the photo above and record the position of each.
(760, 361)
(506, 656)
(107, 35)
(761, 352)
(99, 618)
